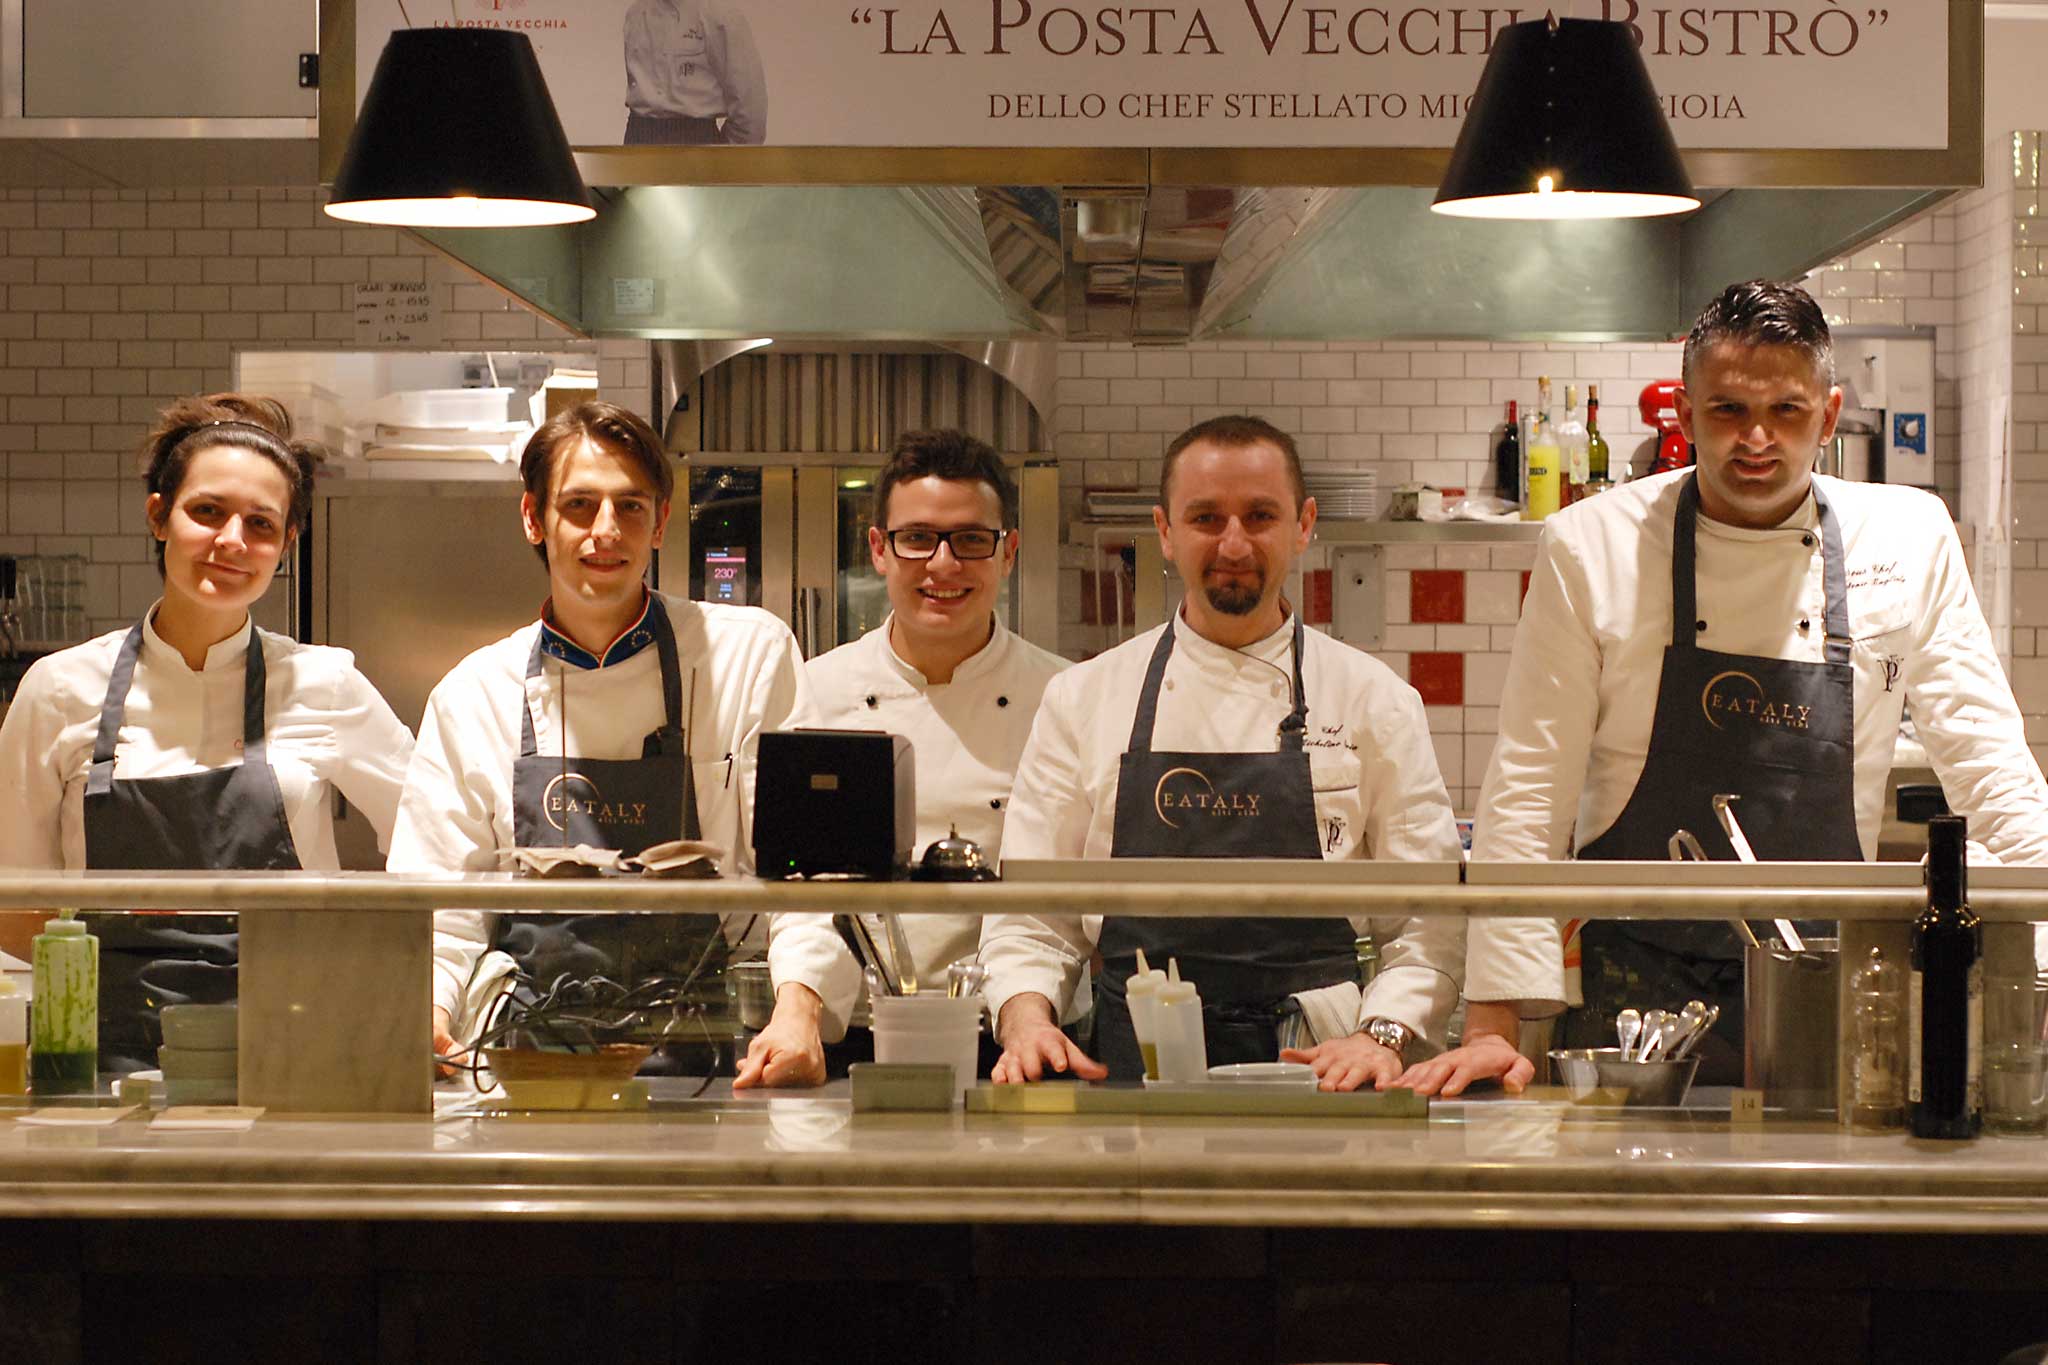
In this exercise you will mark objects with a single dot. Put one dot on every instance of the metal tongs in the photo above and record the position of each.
(1684, 846)
(1724, 807)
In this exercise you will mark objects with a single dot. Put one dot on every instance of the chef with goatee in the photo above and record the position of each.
(1230, 732)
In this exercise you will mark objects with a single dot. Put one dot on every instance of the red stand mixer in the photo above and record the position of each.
(1658, 403)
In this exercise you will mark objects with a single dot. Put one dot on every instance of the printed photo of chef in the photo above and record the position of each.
(693, 75)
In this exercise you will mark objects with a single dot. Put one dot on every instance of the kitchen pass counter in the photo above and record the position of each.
(1496, 1163)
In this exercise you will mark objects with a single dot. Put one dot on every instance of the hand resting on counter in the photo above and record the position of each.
(1348, 1063)
(1486, 1054)
(445, 1044)
(1033, 1045)
(789, 1051)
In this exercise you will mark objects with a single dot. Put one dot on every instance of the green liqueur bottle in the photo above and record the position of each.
(64, 1041)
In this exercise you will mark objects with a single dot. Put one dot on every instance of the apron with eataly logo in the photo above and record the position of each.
(624, 804)
(1780, 733)
(1217, 805)
(228, 819)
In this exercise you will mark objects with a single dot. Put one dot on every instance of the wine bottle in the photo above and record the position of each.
(1945, 997)
(1597, 477)
(1572, 448)
(1507, 459)
(1540, 496)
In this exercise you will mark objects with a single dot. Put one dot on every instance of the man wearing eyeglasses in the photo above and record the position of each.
(942, 671)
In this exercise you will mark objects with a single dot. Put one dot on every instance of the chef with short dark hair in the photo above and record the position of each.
(1230, 731)
(1743, 627)
(944, 672)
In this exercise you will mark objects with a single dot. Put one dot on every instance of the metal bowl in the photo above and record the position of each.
(1598, 1075)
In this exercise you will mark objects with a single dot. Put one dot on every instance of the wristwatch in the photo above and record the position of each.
(1390, 1034)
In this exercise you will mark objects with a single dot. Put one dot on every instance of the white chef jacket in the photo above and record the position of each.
(1581, 688)
(457, 809)
(966, 736)
(1378, 794)
(325, 727)
(696, 59)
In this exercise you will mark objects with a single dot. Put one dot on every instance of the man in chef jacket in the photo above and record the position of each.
(621, 718)
(944, 672)
(1230, 731)
(693, 75)
(1748, 627)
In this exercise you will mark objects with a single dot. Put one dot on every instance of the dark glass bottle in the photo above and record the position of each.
(1596, 444)
(1507, 460)
(1945, 997)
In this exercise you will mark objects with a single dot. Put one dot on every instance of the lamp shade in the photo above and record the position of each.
(1565, 124)
(458, 131)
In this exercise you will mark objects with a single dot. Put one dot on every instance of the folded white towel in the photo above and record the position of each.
(491, 979)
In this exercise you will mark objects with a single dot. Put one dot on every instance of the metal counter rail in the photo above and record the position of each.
(1276, 888)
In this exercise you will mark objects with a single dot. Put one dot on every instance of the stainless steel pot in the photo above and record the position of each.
(1790, 1011)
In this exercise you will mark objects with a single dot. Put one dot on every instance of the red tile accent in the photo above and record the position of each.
(1436, 596)
(1440, 678)
(1321, 593)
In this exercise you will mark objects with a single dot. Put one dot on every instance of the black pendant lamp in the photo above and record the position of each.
(1565, 124)
(458, 131)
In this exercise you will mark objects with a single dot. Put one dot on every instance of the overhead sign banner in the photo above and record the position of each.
(1218, 73)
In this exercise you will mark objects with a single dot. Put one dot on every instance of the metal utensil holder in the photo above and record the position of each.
(1791, 1017)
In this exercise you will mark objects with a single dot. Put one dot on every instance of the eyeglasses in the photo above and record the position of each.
(968, 542)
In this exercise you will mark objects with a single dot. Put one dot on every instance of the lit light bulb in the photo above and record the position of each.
(1545, 184)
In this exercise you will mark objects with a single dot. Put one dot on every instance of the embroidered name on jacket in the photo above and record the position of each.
(1735, 695)
(1188, 792)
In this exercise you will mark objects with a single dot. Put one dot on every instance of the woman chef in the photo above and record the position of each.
(1748, 627)
(193, 740)
(1229, 732)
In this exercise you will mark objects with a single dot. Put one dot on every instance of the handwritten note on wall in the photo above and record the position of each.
(393, 314)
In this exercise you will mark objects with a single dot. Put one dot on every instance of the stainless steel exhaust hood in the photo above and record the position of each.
(1158, 266)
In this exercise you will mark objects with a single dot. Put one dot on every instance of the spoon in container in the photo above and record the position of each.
(1690, 1019)
(1628, 1026)
(1656, 1033)
(1692, 1040)
(964, 978)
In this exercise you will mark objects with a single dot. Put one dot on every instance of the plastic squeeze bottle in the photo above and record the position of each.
(1141, 992)
(1183, 1050)
(64, 1042)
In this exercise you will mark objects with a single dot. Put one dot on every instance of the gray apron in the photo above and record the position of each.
(1781, 733)
(1217, 805)
(225, 819)
(624, 804)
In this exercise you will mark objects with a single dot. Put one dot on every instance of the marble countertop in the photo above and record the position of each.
(1495, 1164)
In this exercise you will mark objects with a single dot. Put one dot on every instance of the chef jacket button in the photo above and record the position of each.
(1002, 701)
(996, 804)
(871, 701)
(1804, 623)
(1700, 624)
(1807, 541)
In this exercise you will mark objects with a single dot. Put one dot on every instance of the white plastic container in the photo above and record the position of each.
(930, 1029)
(1141, 994)
(1183, 1047)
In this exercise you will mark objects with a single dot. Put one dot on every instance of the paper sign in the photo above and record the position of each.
(390, 313)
